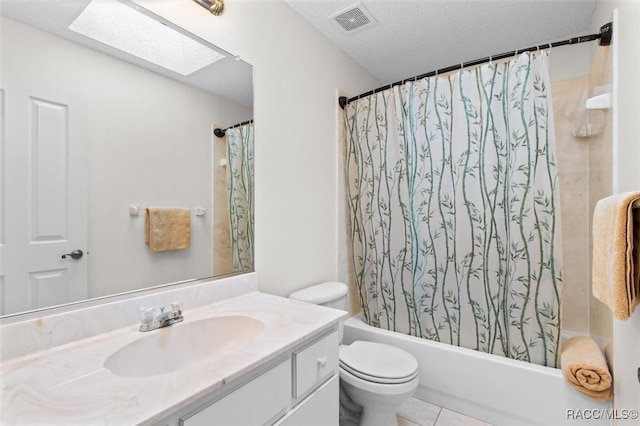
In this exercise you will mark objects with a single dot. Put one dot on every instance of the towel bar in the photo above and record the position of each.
(134, 210)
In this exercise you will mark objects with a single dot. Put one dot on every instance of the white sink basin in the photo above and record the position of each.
(183, 345)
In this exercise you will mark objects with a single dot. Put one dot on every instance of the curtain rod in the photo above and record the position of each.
(603, 37)
(221, 132)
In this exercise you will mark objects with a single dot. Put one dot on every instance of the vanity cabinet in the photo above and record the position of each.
(298, 388)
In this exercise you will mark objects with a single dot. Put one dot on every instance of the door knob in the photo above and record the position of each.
(75, 255)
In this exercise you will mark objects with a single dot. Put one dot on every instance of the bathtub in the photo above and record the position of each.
(492, 388)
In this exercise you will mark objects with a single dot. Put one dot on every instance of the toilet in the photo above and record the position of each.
(376, 376)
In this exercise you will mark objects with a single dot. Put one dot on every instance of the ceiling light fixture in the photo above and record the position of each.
(124, 28)
(216, 7)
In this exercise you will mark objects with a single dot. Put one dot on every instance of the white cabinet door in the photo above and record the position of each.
(45, 197)
(321, 408)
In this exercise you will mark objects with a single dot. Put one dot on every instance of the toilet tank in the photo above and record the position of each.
(330, 294)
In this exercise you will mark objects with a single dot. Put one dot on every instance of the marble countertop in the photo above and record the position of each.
(69, 385)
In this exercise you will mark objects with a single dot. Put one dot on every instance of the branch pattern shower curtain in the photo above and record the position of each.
(240, 192)
(452, 190)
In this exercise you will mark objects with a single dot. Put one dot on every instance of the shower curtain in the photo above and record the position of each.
(454, 218)
(240, 193)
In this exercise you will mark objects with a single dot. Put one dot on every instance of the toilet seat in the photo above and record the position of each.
(378, 363)
(380, 380)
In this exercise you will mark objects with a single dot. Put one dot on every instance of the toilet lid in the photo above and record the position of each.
(377, 362)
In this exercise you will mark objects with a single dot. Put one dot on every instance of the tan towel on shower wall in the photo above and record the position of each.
(616, 253)
(167, 228)
(585, 368)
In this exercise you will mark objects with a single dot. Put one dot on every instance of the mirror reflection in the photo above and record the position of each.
(113, 180)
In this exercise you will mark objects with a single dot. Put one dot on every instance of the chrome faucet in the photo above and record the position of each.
(149, 321)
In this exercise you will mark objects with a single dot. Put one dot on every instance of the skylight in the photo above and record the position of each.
(120, 26)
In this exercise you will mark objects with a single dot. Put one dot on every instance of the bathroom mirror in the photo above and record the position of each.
(94, 134)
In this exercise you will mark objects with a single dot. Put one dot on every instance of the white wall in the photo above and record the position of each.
(149, 144)
(296, 74)
(626, 164)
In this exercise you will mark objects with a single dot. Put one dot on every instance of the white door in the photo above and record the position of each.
(45, 199)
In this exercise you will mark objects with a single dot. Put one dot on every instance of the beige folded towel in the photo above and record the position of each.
(585, 368)
(616, 253)
(167, 228)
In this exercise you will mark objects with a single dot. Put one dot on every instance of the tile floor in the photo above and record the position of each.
(415, 412)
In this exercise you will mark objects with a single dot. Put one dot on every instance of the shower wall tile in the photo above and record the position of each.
(601, 320)
(576, 266)
(600, 174)
(573, 165)
(585, 174)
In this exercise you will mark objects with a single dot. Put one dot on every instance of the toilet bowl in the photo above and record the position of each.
(376, 376)
(379, 378)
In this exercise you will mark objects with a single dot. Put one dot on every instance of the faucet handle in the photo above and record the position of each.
(146, 315)
(176, 306)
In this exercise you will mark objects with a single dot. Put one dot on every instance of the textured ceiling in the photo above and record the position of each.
(227, 78)
(413, 37)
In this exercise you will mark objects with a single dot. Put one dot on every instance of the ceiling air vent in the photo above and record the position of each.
(354, 18)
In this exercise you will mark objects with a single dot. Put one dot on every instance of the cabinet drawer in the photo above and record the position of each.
(255, 403)
(314, 363)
